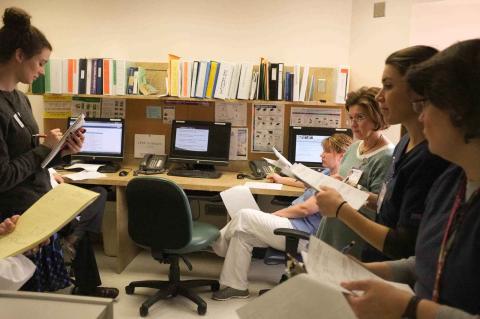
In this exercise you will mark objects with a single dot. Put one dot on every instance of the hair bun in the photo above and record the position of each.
(15, 18)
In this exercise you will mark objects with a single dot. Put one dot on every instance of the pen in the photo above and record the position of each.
(348, 247)
(39, 135)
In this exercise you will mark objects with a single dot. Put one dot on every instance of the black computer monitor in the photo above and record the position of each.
(305, 144)
(200, 143)
(104, 141)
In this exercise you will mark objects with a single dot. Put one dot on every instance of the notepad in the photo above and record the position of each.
(49, 214)
(72, 129)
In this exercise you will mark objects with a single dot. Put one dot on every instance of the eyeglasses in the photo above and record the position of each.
(419, 105)
(357, 118)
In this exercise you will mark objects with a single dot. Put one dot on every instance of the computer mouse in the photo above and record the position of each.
(240, 176)
(123, 173)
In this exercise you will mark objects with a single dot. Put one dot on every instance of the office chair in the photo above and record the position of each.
(159, 218)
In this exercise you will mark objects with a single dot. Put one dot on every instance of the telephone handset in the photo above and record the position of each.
(152, 164)
(260, 168)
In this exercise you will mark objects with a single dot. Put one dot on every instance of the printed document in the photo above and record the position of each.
(236, 198)
(71, 130)
(282, 163)
(50, 213)
(355, 197)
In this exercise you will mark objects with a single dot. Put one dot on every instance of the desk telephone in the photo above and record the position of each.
(260, 169)
(152, 164)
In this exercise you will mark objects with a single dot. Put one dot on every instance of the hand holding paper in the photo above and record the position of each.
(282, 163)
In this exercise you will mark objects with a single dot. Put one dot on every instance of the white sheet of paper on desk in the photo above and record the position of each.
(87, 167)
(263, 185)
(355, 197)
(84, 175)
(299, 297)
(331, 267)
(238, 197)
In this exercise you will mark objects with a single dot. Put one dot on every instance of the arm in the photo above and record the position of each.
(308, 207)
(285, 180)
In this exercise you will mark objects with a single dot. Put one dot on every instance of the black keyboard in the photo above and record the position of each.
(195, 173)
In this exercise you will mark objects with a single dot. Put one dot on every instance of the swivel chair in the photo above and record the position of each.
(159, 218)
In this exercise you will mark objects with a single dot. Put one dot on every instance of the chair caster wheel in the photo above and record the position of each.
(215, 286)
(202, 310)
(129, 290)
(143, 311)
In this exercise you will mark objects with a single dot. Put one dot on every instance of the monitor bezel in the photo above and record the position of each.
(92, 156)
(195, 159)
(310, 130)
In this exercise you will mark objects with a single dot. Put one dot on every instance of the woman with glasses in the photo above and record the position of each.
(400, 204)
(364, 165)
(445, 270)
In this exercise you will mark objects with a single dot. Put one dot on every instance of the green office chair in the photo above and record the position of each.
(159, 218)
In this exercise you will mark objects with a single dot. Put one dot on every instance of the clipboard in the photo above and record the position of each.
(78, 124)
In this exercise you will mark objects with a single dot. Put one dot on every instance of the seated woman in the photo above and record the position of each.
(251, 228)
(364, 165)
(16, 270)
(447, 251)
(413, 171)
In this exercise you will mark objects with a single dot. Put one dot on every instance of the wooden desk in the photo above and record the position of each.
(127, 250)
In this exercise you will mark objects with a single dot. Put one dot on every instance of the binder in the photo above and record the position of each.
(38, 85)
(82, 76)
(273, 80)
(212, 79)
(224, 79)
(202, 78)
(93, 83)
(99, 83)
(245, 81)
(193, 86)
(233, 90)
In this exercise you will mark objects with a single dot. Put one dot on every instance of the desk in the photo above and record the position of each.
(127, 250)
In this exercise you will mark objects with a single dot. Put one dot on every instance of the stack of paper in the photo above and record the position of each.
(236, 198)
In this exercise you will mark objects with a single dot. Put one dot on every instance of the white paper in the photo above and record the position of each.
(331, 267)
(238, 143)
(71, 130)
(87, 167)
(168, 114)
(84, 175)
(267, 127)
(15, 271)
(299, 297)
(236, 198)
(263, 185)
(355, 197)
(231, 112)
(315, 117)
(113, 108)
(52, 172)
(149, 144)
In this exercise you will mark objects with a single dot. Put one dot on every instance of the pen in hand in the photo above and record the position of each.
(39, 135)
(347, 248)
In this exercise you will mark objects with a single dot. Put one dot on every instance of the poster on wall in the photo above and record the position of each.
(231, 112)
(267, 127)
(168, 114)
(113, 108)
(57, 107)
(315, 117)
(238, 143)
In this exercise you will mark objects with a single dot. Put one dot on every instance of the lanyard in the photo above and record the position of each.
(454, 221)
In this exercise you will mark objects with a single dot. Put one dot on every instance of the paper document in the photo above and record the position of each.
(263, 185)
(87, 167)
(282, 163)
(84, 175)
(299, 297)
(72, 129)
(238, 197)
(50, 213)
(355, 197)
(331, 267)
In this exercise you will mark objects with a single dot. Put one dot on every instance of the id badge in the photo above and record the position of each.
(18, 120)
(381, 197)
(354, 177)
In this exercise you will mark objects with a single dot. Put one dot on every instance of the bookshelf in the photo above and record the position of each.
(201, 109)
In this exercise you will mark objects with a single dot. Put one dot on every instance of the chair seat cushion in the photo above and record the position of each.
(203, 235)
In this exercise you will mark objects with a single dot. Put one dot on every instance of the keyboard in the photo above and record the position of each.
(195, 173)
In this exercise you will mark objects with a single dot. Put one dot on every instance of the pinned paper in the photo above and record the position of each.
(149, 144)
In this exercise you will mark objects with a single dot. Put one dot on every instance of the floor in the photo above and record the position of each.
(205, 265)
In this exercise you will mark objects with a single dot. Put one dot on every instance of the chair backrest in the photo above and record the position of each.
(159, 213)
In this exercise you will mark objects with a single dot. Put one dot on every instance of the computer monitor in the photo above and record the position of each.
(305, 144)
(104, 141)
(200, 143)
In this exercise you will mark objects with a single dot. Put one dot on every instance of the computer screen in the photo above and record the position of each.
(103, 139)
(199, 142)
(305, 144)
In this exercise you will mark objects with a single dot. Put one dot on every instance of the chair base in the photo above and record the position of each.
(167, 289)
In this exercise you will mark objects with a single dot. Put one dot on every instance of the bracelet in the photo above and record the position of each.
(411, 310)
(338, 208)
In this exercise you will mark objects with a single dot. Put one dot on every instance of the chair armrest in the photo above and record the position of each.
(294, 233)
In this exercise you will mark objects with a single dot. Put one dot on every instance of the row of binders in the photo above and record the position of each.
(224, 80)
(90, 76)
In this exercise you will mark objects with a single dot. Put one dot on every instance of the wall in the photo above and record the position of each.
(373, 39)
